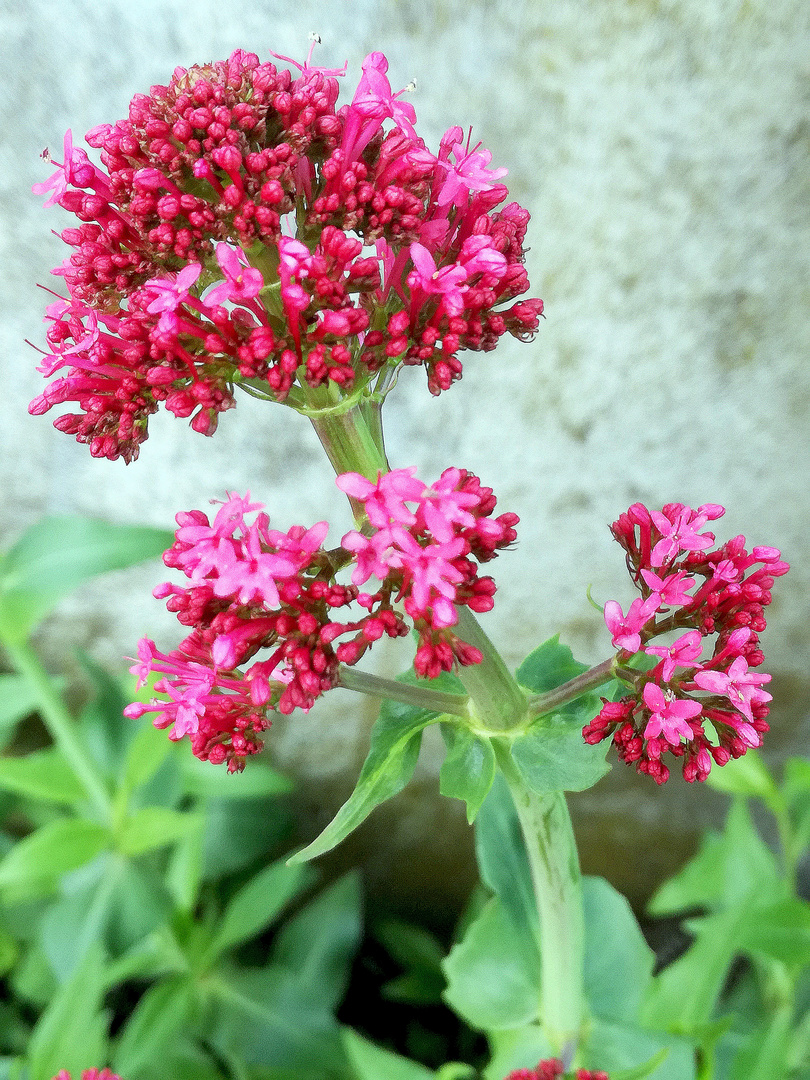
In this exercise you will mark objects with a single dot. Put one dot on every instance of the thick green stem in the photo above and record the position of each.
(552, 852)
(61, 725)
(348, 440)
(421, 696)
(498, 702)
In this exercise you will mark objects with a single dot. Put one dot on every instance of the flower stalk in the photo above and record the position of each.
(539, 704)
(61, 726)
(435, 700)
(554, 863)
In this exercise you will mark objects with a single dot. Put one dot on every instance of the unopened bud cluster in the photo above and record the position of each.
(553, 1069)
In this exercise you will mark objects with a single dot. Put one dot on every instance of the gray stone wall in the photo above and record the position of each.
(662, 149)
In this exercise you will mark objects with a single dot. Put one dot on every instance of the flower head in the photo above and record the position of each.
(226, 242)
(262, 604)
(702, 708)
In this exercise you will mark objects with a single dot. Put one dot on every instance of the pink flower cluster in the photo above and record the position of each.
(253, 589)
(89, 1074)
(425, 542)
(553, 1069)
(672, 702)
(186, 280)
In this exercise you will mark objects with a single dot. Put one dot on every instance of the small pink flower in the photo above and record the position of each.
(448, 282)
(669, 715)
(625, 629)
(680, 654)
(682, 533)
(174, 291)
(242, 281)
(673, 590)
(738, 684)
(469, 172)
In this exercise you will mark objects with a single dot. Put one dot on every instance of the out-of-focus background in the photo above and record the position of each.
(662, 148)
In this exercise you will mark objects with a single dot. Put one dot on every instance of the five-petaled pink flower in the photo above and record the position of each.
(738, 684)
(669, 714)
(680, 654)
(626, 628)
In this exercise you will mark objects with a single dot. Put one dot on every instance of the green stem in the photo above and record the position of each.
(349, 441)
(61, 725)
(574, 688)
(421, 696)
(499, 703)
(552, 852)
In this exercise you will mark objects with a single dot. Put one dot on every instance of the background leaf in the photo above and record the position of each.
(258, 903)
(72, 1032)
(38, 861)
(59, 553)
(370, 1062)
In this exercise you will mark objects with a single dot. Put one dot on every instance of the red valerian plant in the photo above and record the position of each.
(553, 1069)
(243, 230)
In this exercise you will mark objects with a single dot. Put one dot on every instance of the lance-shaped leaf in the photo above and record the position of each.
(395, 741)
(59, 553)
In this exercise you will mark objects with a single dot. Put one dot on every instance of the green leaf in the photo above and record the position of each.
(747, 775)
(765, 1055)
(548, 666)
(18, 699)
(683, 996)
(44, 775)
(796, 790)
(502, 858)
(516, 1048)
(146, 753)
(370, 1062)
(727, 868)
(395, 741)
(420, 954)
(647, 1068)
(493, 973)
(627, 1052)
(206, 781)
(493, 980)
(154, 827)
(553, 756)
(319, 943)
(282, 1016)
(239, 832)
(35, 863)
(120, 905)
(72, 1032)
(260, 1017)
(469, 768)
(258, 903)
(59, 553)
(618, 961)
(780, 930)
(161, 1015)
(106, 731)
(184, 872)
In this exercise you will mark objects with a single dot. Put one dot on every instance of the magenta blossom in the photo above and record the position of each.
(741, 686)
(702, 710)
